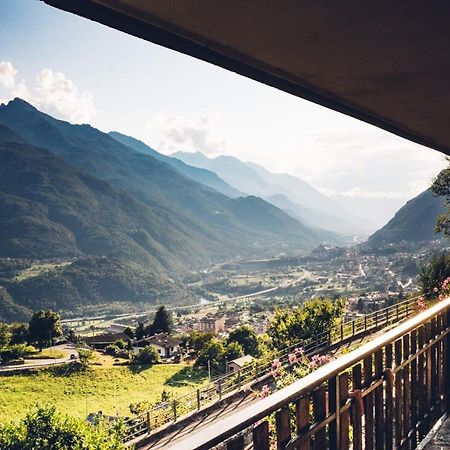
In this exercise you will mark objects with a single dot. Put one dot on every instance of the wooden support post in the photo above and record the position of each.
(379, 412)
(237, 443)
(344, 432)
(320, 411)
(398, 394)
(174, 407)
(406, 390)
(198, 399)
(357, 408)
(149, 424)
(334, 407)
(414, 389)
(261, 436)
(283, 427)
(369, 425)
(302, 421)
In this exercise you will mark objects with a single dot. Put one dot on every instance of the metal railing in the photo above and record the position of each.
(386, 394)
(169, 412)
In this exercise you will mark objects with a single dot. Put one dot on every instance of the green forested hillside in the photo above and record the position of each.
(412, 224)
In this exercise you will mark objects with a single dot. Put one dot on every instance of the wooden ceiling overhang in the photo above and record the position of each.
(384, 62)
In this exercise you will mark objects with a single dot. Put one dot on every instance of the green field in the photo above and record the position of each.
(105, 388)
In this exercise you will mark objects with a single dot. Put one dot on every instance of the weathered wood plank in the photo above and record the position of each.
(345, 415)
(261, 440)
(320, 412)
(379, 411)
(414, 389)
(333, 406)
(302, 421)
(369, 426)
(406, 390)
(398, 396)
(357, 411)
(283, 427)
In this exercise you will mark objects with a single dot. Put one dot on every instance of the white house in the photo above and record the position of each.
(164, 344)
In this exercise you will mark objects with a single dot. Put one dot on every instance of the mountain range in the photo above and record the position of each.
(289, 193)
(131, 218)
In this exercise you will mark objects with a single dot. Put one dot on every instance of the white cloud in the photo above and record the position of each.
(7, 75)
(356, 162)
(53, 93)
(194, 134)
(58, 95)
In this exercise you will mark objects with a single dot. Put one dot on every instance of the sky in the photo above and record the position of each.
(84, 72)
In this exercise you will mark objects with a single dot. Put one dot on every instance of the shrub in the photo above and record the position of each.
(147, 356)
(112, 350)
(16, 351)
(433, 273)
(45, 429)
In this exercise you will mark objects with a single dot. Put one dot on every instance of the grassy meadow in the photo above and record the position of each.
(104, 387)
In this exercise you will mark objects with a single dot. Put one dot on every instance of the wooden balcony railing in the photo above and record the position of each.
(386, 394)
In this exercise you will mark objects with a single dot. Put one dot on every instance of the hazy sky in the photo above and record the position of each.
(84, 72)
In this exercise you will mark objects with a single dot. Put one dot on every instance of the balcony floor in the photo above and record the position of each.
(441, 440)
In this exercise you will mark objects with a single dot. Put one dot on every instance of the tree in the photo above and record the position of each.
(197, 340)
(139, 333)
(5, 335)
(148, 356)
(129, 332)
(19, 332)
(433, 273)
(43, 327)
(247, 338)
(441, 188)
(234, 350)
(214, 352)
(316, 316)
(46, 429)
(162, 323)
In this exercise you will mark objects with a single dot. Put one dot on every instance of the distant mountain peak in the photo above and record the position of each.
(17, 102)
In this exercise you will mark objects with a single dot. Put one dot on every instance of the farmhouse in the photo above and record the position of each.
(164, 344)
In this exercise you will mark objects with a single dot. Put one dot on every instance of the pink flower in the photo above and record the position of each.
(292, 358)
(265, 391)
(276, 364)
(421, 304)
(436, 289)
(319, 360)
(299, 352)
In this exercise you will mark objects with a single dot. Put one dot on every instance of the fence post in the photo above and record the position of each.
(239, 378)
(365, 322)
(148, 422)
(219, 385)
(398, 311)
(376, 319)
(353, 327)
(342, 331)
(174, 410)
(198, 399)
